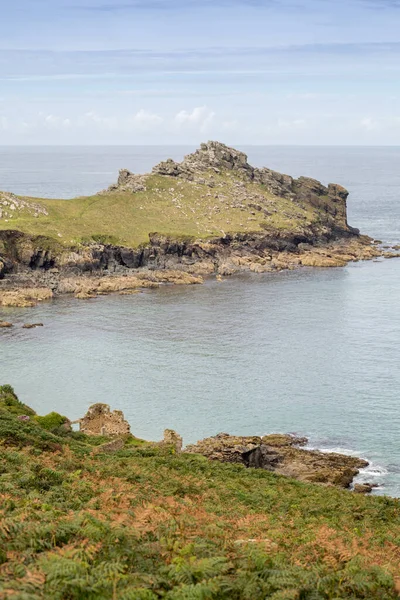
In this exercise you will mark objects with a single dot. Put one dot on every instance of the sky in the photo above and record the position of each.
(306, 72)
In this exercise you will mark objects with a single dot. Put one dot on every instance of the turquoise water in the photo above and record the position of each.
(314, 351)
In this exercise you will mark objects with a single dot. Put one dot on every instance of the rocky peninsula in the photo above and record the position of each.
(213, 214)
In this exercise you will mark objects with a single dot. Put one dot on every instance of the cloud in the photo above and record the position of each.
(146, 120)
(369, 124)
(143, 121)
(200, 117)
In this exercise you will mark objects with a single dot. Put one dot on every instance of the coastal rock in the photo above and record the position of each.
(283, 455)
(5, 324)
(363, 488)
(24, 297)
(32, 325)
(99, 420)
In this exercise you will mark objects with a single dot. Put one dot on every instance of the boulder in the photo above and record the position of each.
(5, 324)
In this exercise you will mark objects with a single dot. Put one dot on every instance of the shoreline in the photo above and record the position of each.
(27, 287)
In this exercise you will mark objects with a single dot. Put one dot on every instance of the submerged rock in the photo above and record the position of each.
(281, 454)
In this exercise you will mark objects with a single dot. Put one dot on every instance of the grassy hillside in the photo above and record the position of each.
(143, 523)
(168, 206)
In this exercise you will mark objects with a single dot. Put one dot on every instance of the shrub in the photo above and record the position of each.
(52, 421)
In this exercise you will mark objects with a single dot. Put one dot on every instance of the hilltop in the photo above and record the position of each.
(96, 517)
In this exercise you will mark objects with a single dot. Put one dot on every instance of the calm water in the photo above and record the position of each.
(314, 352)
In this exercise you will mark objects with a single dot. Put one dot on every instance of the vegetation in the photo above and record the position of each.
(176, 208)
(145, 523)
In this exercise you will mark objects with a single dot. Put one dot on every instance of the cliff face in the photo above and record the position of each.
(211, 213)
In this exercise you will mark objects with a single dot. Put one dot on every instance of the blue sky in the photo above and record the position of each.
(183, 71)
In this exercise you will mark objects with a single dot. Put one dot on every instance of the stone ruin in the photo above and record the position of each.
(171, 438)
(99, 420)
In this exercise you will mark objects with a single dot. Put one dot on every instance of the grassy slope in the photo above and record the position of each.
(168, 206)
(147, 524)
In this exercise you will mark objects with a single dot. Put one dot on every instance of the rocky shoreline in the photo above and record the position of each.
(304, 224)
(283, 454)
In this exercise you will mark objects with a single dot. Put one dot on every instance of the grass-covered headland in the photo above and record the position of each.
(144, 523)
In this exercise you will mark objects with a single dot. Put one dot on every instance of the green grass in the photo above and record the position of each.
(168, 206)
(145, 523)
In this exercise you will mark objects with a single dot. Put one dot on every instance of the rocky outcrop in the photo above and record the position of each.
(281, 454)
(302, 191)
(99, 420)
(128, 182)
(24, 297)
(12, 206)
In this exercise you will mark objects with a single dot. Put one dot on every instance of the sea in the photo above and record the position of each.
(314, 352)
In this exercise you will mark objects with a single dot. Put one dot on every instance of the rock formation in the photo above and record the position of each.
(253, 219)
(281, 454)
(11, 205)
(99, 420)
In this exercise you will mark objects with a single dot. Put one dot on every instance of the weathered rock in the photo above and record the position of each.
(32, 325)
(99, 420)
(363, 488)
(129, 182)
(173, 439)
(12, 206)
(5, 324)
(281, 454)
(24, 297)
